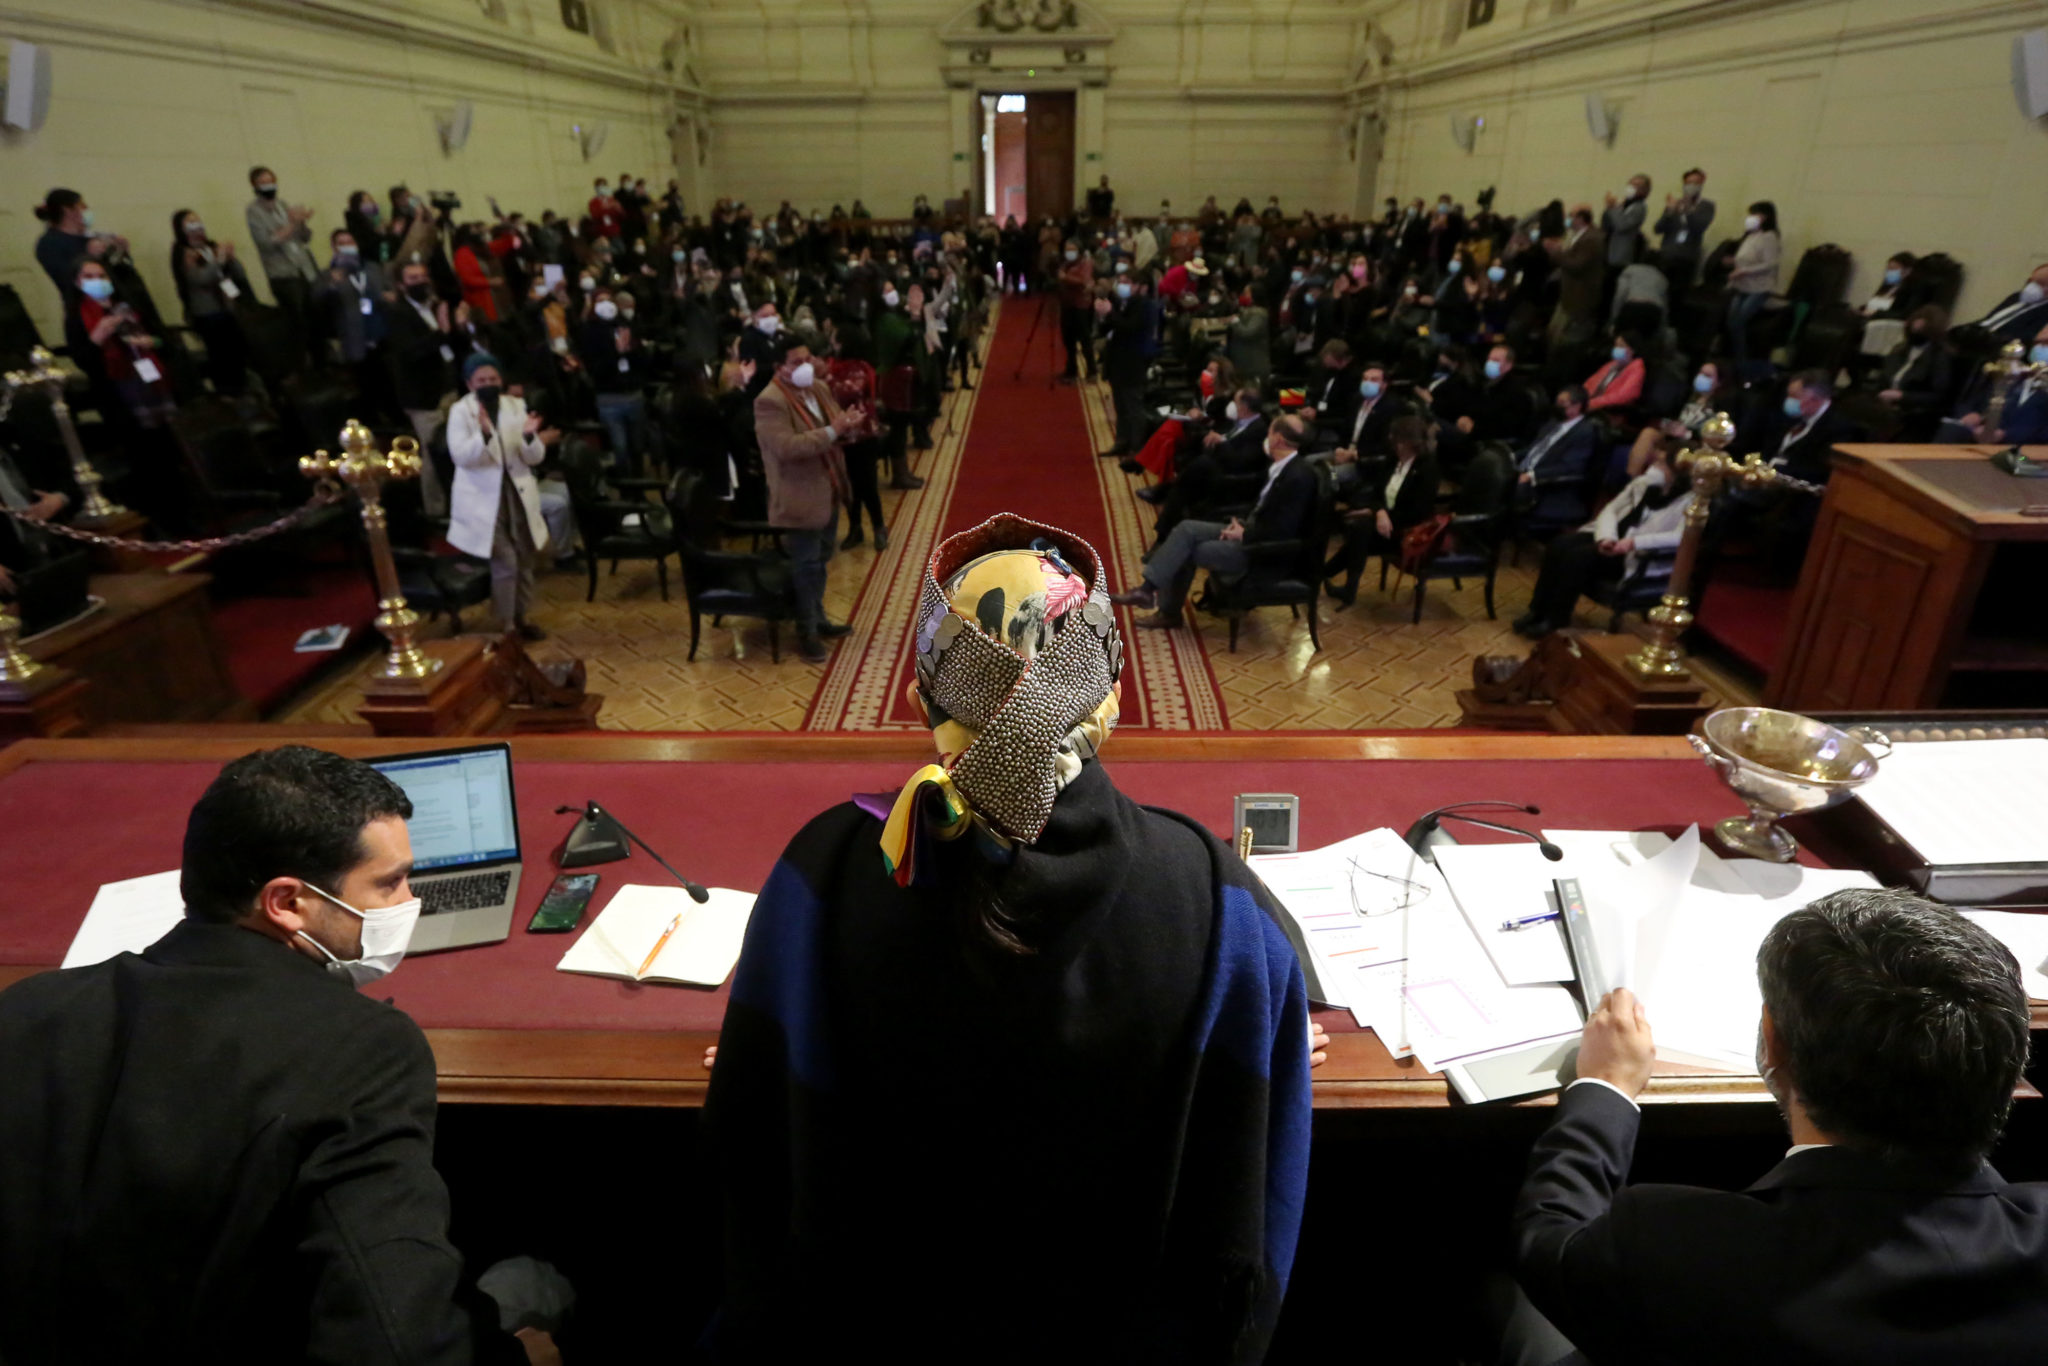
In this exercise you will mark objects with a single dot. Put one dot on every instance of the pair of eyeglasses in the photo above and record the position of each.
(1374, 893)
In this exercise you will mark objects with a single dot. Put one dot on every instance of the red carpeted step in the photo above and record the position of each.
(257, 633)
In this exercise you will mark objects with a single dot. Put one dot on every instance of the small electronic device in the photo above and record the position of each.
(561, 910)
(1274, 818)
(1584, 948)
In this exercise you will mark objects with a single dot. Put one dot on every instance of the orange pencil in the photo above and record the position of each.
(655, 952)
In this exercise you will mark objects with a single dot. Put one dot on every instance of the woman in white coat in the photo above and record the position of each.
(494, 509)
(1646, 517)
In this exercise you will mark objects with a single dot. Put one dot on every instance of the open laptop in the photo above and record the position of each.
(465, 843)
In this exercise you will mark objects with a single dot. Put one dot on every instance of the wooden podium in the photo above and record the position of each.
(1923, 587)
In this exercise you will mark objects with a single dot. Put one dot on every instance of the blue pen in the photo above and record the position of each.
(1526, 921)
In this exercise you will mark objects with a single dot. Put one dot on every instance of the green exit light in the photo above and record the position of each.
(1031, 71)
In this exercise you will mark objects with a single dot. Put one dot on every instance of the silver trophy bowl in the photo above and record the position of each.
(1783, 764)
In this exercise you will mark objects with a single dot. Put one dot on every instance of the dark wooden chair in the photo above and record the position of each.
(1282, 573)
(721, 583)
(1637, 592)
(613, 529)
(1479, 515)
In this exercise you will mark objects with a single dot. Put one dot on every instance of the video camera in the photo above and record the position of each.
(444, 201)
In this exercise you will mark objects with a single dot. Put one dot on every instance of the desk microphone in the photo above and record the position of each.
(601, 822)
(1427, 832)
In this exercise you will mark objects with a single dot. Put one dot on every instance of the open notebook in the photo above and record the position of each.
(701, 952)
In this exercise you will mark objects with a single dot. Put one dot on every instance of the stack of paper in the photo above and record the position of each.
(127, 917)
(1963, 803)
(2025, 933)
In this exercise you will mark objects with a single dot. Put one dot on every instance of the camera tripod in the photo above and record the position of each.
(1054, 346)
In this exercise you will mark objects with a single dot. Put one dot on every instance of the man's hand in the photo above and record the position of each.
(96, 247)
(1464, 424)
(1625, 546)
(1383, 524)
(1344, 455)
(1891, 396)
(1604, 547)
(540, 1347)
(47, 505)
(1611, 200)
(1974, 421)
(1615, 1046)
(550, 435)
(1212, 439)
(710, 1056)
(853, 421)
(1527, 477)
(1233, 532)
(1318, 1044)
(1307, 412)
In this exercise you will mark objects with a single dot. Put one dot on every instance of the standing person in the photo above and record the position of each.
(1622, 225)
(224, 1125)
(853, 388)
(280, 233)
(365, 222)
(617, 366)
(800, 430)
(483, 283)
(606, 213)
(1682, 231)
(1753, 280)
(1581, 256)
(1130, 326)
(1892, 1035)
(1077, 316)
(427, 341)
(69, 238)
(209, 281)
(896, 340)
(495, 505)
(353, 292)
(1116, 1116)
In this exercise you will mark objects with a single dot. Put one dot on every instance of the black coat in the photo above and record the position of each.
(1811, 456)
(217, 1151)
(1288, 510)
(1833, 1257)
(422, 373)
(1414, 501)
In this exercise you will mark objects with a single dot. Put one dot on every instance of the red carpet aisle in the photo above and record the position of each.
(1026, 449)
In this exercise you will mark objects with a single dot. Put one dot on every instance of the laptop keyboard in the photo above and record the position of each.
(469, 893)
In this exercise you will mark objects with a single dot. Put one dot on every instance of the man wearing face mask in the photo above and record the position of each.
(1130, 325)
(280, 233)
(760, 345)
(800, 429)
(2022, 313)
(1077, 316)
(1682, 230)
(222, 1126)
(2023, 421)
(426, 342)
(612, 356)
(606, 212)
(1622, 224)
(352, 292)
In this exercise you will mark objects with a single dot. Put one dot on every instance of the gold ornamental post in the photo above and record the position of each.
(365, 469)
(1712, 469)
(94, 507)
(15, 665)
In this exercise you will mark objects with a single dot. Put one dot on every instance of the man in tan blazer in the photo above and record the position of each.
(801, 432)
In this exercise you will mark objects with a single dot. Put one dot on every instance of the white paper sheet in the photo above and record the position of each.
(127, 917)
(1347, 899)
(2026, 934)
(1962, 802)
(701, 951)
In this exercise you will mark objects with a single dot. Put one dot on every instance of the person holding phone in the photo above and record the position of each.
(495, 507)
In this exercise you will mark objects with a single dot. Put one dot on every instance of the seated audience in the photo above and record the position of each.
(1916, 378)
(220, 1145)
(1362, 429)
(1387, 499)
(1646, 518)
(2024, 419)
(1284, 511)
(1709, 394)
(2021, 314)
(1235, 446)
(1888, 302)
(1077, 1168)
(1550, 478)
(1894, 1032)
(1619, 382)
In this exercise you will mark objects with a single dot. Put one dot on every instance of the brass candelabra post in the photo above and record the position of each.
(94, 507)
(366, 470)
(1712, 469)
(15, 665)
(2011, 367)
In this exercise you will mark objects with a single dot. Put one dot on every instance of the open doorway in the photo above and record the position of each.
(1027, 154)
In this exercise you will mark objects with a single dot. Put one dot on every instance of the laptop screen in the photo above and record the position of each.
(461, 806)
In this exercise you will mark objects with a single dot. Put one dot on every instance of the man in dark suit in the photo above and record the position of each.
(1284, 511)
(1237, 447)
(217, 1149)
(1387, 497)
(1801, 442)
(1332, 395)
(351, 291)
(425, 342)
(1363, 429)
(1581, 256)
(1501, 409)
(2021, 313)
(1551, 480)
(2022, 422)
(1892, 1036)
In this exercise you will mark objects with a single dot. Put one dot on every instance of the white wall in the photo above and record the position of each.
(159, 105)
(1878, 125)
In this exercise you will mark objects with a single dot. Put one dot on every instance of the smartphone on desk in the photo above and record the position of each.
(561, 909)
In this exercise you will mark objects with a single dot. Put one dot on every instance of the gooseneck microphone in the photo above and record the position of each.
(598, 816)
(1428, 832)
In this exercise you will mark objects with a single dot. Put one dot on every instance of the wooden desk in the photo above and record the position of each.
(150, 654)
(1922, 587)
(491, 1013)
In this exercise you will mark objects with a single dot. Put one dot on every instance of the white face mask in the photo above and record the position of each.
(1752, 223)
(804, 375)
(768, 324)
(386, 932)
(606, 309)
(890, 297)
(2031, 292)
(1230, 410)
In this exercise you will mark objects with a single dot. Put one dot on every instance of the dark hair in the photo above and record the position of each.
(1815, 382)
(56, 204)
(177, 247)
(339, 232)
(1767, 215)
(1574, 394)
(255, 171)
(293, 811)
(1378, 365)
(1904, 1025)
(1337, 349)
(1503, 346)
(1409, 431)
(1695, 171)
(1904, 258)
(1933, 320)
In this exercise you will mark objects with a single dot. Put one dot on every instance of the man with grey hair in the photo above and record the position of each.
(1893, 1034)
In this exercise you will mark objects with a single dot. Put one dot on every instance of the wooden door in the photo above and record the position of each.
(1049, 154)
